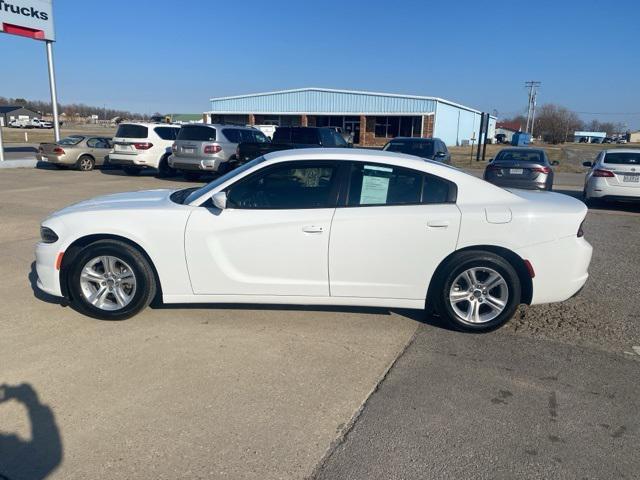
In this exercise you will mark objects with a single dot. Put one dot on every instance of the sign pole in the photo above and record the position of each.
(54, 94)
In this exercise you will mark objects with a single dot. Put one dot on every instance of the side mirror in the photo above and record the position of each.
(587, 164)
(441, 155)
(220, 200)
(490, 160)
(555, 163)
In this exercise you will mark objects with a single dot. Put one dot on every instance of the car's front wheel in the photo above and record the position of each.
(479, 291)
(111, 280)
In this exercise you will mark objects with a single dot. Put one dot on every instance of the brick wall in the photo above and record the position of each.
(427, 126)
(304, 121)
(252, 119)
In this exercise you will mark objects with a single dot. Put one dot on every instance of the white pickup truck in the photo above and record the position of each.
(30, 123)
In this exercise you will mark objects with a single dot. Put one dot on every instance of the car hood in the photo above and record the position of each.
(121, 201)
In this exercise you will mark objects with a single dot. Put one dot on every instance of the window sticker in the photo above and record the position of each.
(375, 185)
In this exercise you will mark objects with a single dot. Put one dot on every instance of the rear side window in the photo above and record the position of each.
(411, 147)
(623, 158)
(233, 135)
(308, 136)
(72, 140)
(126, 130)
(372, 184)
(167, 133)
(197, 133)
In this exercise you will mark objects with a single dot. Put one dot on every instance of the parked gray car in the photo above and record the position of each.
(76, 151)
(429, 148)
(527, 168)
(202, 148)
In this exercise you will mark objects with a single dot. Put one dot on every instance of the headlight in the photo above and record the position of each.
(47, 235)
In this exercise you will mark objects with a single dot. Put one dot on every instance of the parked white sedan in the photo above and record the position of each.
(321, 227)
(615, 175)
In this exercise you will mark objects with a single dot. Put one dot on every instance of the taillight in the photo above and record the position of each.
(212, 148)
(581, 230)
(541, 169)
(143, 146)
(602, 173)
(58, 151)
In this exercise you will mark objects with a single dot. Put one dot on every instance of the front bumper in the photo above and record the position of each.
(48, 274)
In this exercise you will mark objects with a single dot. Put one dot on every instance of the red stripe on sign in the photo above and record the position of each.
(23, 31)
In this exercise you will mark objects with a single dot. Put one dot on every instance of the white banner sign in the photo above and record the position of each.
(27, 18)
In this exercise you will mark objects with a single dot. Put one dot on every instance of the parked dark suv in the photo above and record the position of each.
(429, 148)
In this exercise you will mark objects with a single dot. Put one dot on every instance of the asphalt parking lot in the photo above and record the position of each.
(255, 392)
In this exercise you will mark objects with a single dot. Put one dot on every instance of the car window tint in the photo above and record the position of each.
(71, 140)
(93, 143)
(383, 185)
(232, 134)
(166, 133)
(126, 130)
(623, 158)
(519, 156)
(286, 187)
(339, 140)
(436, 190)
(259, 137)
(412, 147)
(197, 133)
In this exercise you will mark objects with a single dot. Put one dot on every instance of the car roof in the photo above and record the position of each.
(150, 124)
(415, 139)
(521, 149)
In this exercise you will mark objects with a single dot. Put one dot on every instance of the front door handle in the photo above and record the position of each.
(438, 224)
(312, 229)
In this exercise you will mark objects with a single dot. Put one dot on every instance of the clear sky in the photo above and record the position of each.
(173, 55)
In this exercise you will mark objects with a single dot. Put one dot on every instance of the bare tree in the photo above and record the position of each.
(556, 124)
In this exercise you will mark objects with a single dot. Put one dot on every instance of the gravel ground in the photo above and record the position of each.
(604, 314)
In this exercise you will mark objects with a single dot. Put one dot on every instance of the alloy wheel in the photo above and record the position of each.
(108, 283)
(478, 295)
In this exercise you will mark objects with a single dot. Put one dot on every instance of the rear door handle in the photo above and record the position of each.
(312, 229)
(438, 224)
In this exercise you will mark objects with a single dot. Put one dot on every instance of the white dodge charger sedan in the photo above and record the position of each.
(321, 227)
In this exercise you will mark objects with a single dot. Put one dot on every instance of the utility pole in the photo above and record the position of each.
(532, 85)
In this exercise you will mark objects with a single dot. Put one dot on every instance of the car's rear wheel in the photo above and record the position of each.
(85, 163)
(131, 170)
(164, 170)
(479, 291)
(111, 280)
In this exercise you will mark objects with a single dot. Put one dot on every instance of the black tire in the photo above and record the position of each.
(145, 289)
(85, 163)
(481, 260)
(131, 170)
(191, 176)
(164, 170)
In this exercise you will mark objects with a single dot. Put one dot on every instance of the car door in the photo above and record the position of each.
(273, 237)
(101, 149)
(397, 226)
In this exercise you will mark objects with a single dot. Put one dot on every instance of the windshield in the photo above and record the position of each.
(72, 140)
(220, 180)
(623, 158)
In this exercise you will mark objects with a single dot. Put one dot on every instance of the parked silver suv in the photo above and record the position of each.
(202, 148)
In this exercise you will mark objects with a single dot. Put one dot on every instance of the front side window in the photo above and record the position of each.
(71, 140)
(373, 184)
(294, 185)
(97, 143)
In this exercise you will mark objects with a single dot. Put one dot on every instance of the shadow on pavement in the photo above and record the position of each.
(39, 294)
(37, 457)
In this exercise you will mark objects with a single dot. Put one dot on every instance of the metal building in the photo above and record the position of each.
(372, 118)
